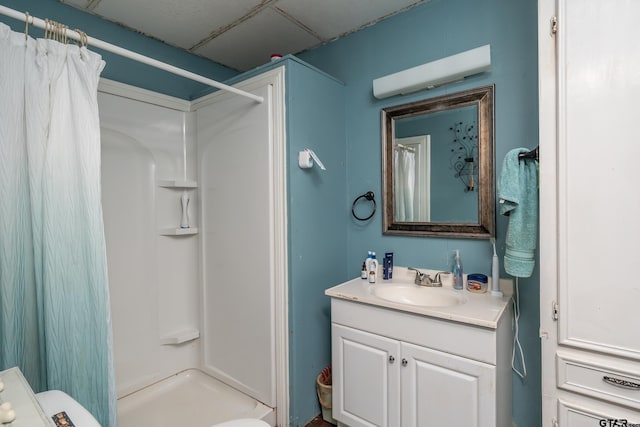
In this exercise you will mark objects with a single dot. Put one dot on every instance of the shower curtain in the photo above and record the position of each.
(54, 302)
(404, 184)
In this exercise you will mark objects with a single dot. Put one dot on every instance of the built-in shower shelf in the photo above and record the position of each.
(180, 337)
(179, 231)
(177, 183)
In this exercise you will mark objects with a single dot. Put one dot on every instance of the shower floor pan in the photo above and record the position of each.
(189, 398)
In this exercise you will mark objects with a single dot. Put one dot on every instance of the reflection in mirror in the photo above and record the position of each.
(438, 166)
(411, 178)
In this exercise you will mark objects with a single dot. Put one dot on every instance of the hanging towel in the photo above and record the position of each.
(518, 195)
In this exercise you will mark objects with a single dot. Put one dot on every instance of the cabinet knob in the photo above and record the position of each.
(404, 362)
(392, 359)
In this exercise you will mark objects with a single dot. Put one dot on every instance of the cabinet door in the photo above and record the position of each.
(440, 389)
(598, 224)
(366, 389)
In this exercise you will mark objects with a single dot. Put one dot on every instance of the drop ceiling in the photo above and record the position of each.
(242, 34)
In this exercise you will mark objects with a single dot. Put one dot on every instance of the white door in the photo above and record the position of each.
(598, 154)
(243, 227)
(440, 389)
(589, 91)
(366, 389)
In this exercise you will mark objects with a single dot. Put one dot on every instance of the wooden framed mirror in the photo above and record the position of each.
(438, 176)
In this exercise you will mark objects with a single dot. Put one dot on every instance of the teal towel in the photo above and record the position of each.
(518, 194)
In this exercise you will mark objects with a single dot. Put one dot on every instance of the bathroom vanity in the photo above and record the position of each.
(405, 355)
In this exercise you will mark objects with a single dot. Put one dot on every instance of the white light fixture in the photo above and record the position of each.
(435, 73)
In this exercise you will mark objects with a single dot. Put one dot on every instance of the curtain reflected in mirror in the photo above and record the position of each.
(438, 175)
(412, 187)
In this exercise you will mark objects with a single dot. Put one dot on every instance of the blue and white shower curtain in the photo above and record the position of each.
(54, 300)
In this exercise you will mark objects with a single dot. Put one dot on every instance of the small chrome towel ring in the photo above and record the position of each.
(368, 196)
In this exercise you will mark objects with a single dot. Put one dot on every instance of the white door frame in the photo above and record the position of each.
(547, 112)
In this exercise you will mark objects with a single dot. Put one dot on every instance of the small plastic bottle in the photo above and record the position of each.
(372, 268)
(367, 262)
(458, 278)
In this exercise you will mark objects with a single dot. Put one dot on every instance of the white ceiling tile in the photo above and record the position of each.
(253, 41)
(83, 4)
(243, 33)
(181, 23)
(332, 18)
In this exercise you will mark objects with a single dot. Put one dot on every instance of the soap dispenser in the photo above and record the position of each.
(456, 269)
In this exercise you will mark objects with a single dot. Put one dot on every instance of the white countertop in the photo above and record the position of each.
(475, 309)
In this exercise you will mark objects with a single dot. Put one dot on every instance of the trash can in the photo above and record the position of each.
(323, 387)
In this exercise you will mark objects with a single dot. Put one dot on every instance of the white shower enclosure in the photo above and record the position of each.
(212, 297)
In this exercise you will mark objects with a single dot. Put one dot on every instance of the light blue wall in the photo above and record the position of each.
(317, 219)
(429, 32)
(119, 68)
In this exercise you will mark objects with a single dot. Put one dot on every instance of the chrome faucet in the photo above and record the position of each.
(423, 279)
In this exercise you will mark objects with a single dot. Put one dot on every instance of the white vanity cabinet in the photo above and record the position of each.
(395, 368)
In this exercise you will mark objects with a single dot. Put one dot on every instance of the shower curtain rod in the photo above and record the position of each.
(37, 22)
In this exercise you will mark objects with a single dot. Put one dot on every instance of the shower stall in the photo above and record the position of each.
(199, 312)
(235, 303)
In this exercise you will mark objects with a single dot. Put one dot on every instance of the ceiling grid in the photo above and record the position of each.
(242, 34)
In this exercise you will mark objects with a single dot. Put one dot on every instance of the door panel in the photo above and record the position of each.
(442, 389)
(366, 389)
(598, 223)
(238, 325)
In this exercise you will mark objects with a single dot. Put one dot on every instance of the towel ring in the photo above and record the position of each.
(368, 196)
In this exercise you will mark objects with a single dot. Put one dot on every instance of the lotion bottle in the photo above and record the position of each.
(365, 266)
(372, 268)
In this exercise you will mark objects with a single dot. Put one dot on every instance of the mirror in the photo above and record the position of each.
(437, 166)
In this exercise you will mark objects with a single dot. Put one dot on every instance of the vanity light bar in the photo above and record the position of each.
(435, 73)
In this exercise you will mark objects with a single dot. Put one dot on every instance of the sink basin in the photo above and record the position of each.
(419, 295)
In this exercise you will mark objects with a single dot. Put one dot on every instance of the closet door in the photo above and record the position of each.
(589, 66)
(598, 154)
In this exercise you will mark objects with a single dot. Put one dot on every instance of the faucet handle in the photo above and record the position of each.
(437, 281)
(419, 274)
(422, 279)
